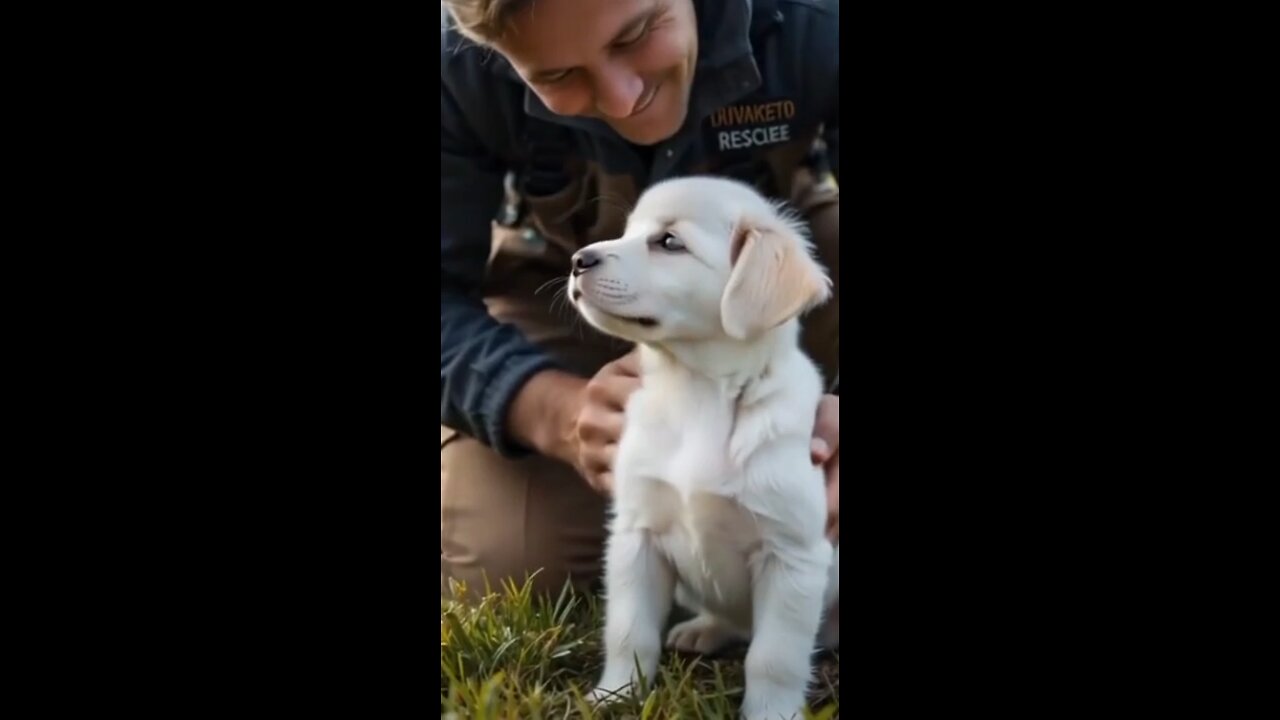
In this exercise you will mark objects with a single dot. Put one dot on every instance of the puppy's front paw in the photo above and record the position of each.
(603, 695)
(615, 684)
(770, 701)
(771, 711)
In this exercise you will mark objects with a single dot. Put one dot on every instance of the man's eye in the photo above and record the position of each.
(671, 243)
(552, 79)
(634, 38)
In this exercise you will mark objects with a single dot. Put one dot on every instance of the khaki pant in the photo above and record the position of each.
(503, 519)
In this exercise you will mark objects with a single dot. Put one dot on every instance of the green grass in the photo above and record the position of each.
(515, 655)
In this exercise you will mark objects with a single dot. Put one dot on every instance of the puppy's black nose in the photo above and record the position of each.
(584, 260)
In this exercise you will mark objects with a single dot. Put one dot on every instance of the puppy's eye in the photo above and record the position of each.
(670, 243)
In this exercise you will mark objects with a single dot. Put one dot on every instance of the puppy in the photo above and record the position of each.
(716, 502)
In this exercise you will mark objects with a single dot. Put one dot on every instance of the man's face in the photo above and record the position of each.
(627, 62)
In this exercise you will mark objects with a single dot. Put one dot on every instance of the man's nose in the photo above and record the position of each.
(584, 260)
(617, 91)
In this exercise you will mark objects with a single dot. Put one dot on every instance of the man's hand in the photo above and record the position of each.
(825, 451)
(577, 421)
(600, 419)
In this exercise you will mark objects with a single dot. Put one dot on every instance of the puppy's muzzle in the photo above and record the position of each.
(584, 260)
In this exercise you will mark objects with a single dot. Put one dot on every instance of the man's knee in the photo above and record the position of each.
(511, 521)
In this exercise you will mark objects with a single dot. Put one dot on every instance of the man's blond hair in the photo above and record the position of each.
(483, 21)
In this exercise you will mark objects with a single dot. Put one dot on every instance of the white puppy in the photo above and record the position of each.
(716, 502)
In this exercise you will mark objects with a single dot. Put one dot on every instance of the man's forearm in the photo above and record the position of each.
(483, 366)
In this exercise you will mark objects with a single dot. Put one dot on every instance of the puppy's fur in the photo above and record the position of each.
(716, 502)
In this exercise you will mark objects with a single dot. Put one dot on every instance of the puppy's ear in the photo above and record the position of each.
(774, 279)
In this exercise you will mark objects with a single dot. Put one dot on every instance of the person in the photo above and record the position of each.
(554, 116)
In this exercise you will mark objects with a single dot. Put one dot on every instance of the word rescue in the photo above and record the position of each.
(766, 124)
